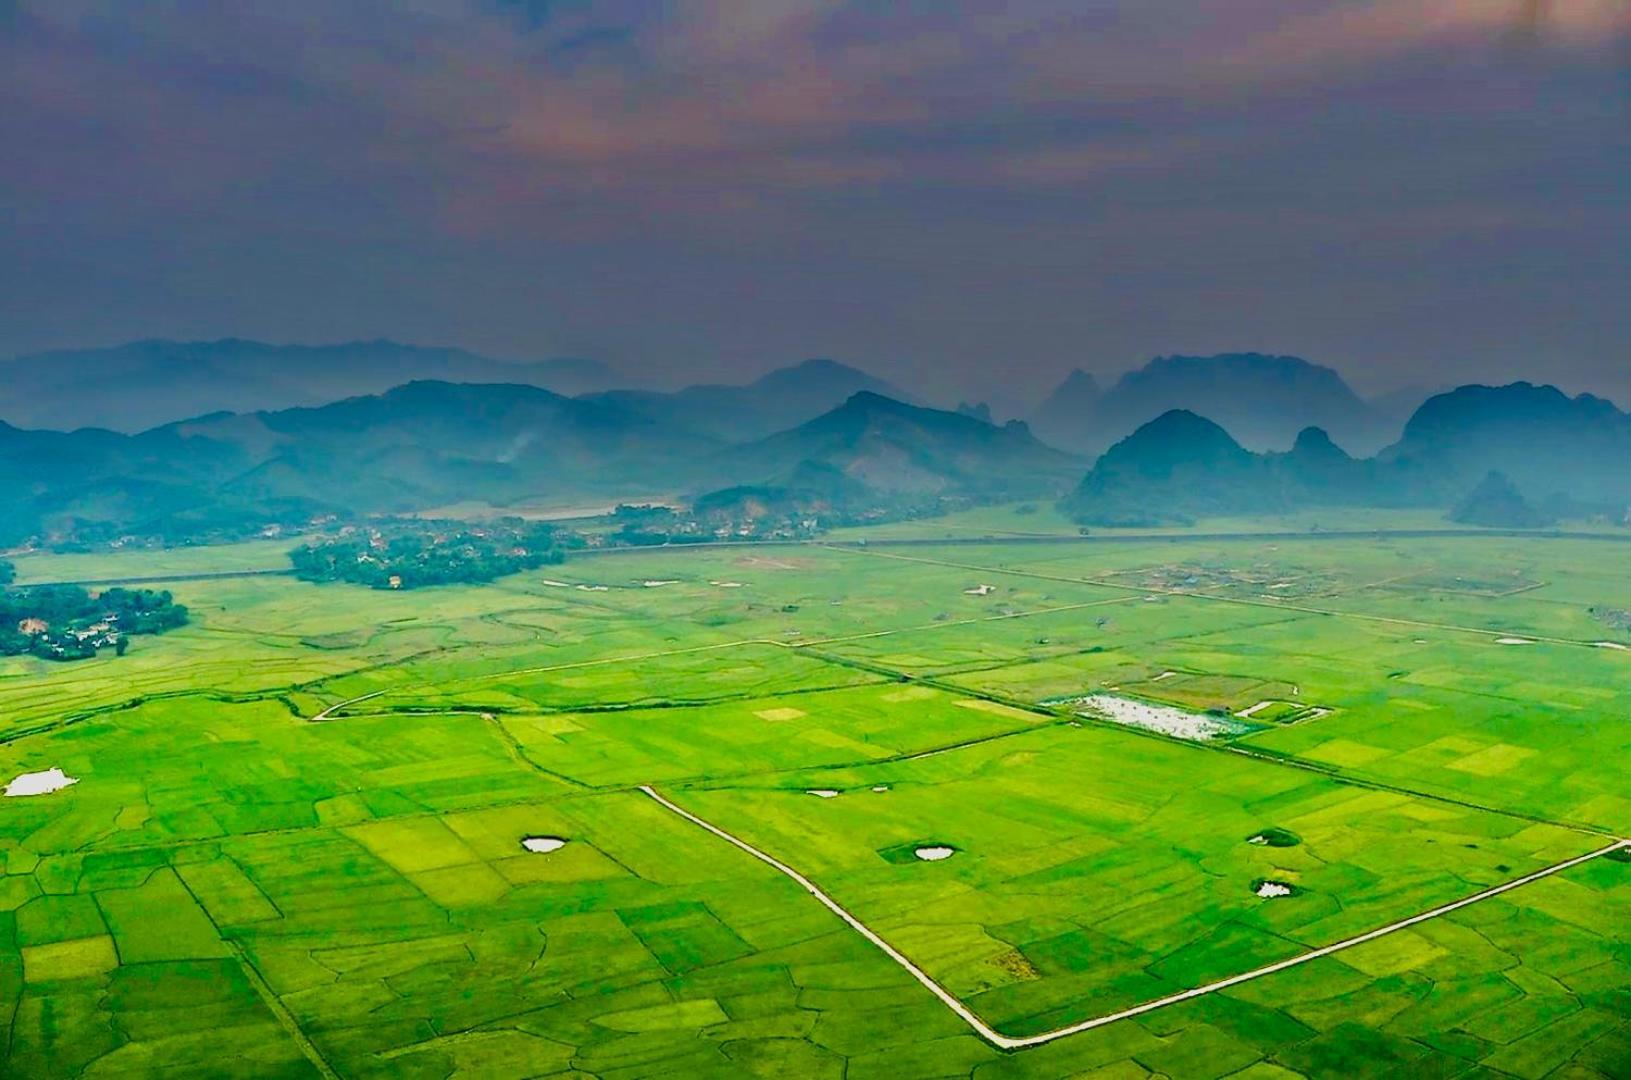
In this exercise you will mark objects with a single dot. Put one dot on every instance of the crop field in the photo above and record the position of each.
(330, 832)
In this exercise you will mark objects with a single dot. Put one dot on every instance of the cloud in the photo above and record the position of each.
(506, 100)
(737, 143)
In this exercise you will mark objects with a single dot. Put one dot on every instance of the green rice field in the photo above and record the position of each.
(295, 843)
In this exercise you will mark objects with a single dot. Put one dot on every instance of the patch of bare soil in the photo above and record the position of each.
(1014, 964)
(765, 562)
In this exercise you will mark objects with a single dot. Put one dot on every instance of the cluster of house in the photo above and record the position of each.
(104, 633)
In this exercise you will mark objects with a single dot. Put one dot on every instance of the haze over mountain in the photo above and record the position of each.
(413, 448)
(773, 402)
(429, 444)
(892, 446)
(1263, 401)
(142, 384)
(1068, 416)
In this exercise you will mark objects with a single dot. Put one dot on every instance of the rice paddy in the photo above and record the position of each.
(336, 832)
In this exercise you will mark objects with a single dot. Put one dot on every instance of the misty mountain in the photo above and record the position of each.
(1263, 401)
(775, 402)
(434, 440)
(1173, 469)
(1496, 503)
(1486, 451)
(413, 448)
(1068, 416)
(140, 385)
(1180, 467)
(429, 444)
(894, 447)
(1548, 444)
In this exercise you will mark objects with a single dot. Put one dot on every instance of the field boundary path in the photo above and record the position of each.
(1009, 1042)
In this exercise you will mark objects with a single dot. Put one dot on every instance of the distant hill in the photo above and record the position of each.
(782, 399)
(1548, 444)
(894, 447)
(140, 385)
(1263, 401)
(1496, 503)
(430, 443)
(809, 489)
(1180, 467)
(1173, 469)
(434, 440)
(1474, 449)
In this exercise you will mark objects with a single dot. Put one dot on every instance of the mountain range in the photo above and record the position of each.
(822, 428)
(429, 444)
(412, 448)
(142, 384)
(893, 447)
(1263, 401)
(785, 397)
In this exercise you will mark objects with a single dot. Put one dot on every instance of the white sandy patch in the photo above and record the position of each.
(1251, 711)
(726, 584)
(934, 853)
(557, 584)
(1610, 645)
(823, 793)
(1164, 675)
(880, 789)
(543, 845)
(1271, 889)
(594, 588)
(1258, 840)
(40, 783)
(980, 590)
(769, 564)
(1513, 641)
(657, 584)
(1162, 718)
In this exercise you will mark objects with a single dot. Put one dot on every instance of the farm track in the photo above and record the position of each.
(1009, 1042)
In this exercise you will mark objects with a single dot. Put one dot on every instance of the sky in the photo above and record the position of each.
(968, 197)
